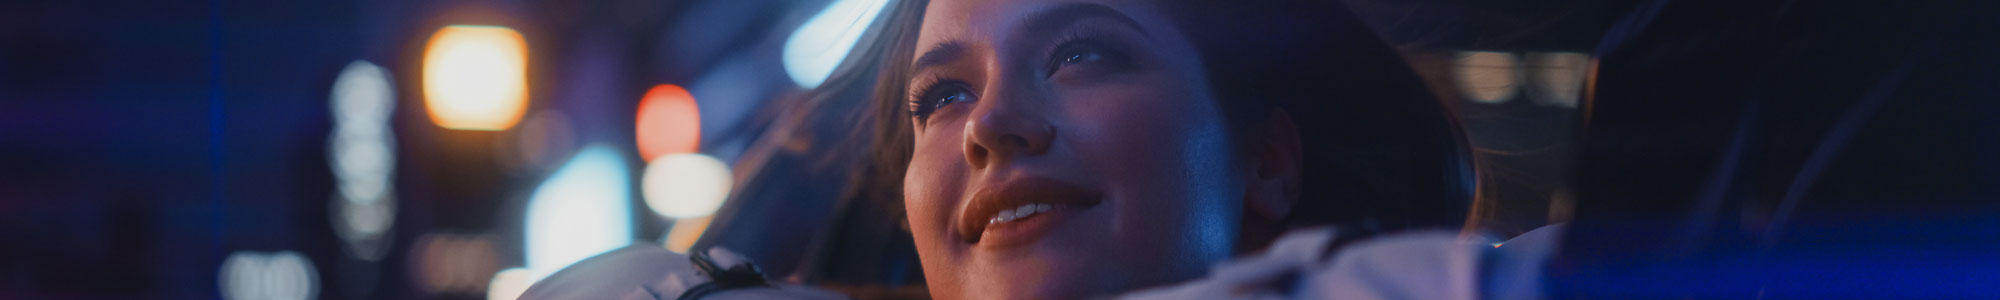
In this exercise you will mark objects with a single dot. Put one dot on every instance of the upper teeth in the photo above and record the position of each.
(1025, 210)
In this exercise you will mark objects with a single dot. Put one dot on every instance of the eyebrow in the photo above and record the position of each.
(1040, 23)
(942, 53)
(1051, 20)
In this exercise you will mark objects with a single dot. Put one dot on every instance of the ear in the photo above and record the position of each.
(1276, 162)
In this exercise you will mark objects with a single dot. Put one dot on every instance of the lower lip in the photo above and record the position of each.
(1026, 230)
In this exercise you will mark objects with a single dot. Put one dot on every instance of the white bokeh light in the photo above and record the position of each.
(509, 284)
(361, 148)
(283, 275)
(363, 227)
(686, 185)
(581, 210)
(817, 48)
(363, 97)
(361, 152)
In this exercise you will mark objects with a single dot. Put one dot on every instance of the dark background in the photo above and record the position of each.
(142, 142)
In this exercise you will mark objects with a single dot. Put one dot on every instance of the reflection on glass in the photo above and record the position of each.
(812, 53)
(1557, 77)
(1487, 77)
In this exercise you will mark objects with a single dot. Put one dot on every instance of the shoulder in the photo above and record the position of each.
(1437, 264)
(651, 272)
(613, 274)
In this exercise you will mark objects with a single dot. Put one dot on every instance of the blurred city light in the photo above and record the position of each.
(669, 122)
(509, 284)
(362, 145)
(1556, 78)
(685, 232)
(542, 140)
(361, 151)
(817, 48)
(686, 185)
(1487, 77)
(581, 210)
(475, 77)
(283, 275)
(364, 227)
(453, 263)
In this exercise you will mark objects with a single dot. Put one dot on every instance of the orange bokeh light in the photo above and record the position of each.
(475, 77)
(669, 122)
(686, 232)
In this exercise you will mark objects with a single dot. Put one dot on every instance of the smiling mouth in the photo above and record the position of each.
(1020, 210)
(1019, 213)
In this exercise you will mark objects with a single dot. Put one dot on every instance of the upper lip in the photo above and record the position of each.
(988, 201)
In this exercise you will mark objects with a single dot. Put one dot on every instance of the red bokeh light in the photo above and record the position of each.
(669, 122)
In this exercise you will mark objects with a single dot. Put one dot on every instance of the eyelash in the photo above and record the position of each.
(921, 104)
(1071, 42)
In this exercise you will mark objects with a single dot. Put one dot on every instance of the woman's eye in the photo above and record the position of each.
(1079, 54)
(938, 97)
(1082, 56)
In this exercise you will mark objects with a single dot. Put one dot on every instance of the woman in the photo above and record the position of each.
(1059, 149)
(1078, 148)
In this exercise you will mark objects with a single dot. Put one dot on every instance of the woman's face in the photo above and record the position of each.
(1065, 149)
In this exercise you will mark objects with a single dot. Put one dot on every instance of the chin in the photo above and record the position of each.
(1038, 282)
(1040, 288)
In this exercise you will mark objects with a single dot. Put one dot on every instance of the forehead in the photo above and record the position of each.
(980, 22)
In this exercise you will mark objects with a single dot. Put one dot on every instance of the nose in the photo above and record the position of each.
(1004, 129)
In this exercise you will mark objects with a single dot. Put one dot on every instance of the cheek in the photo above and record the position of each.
(1162, 146)
(931, 187)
